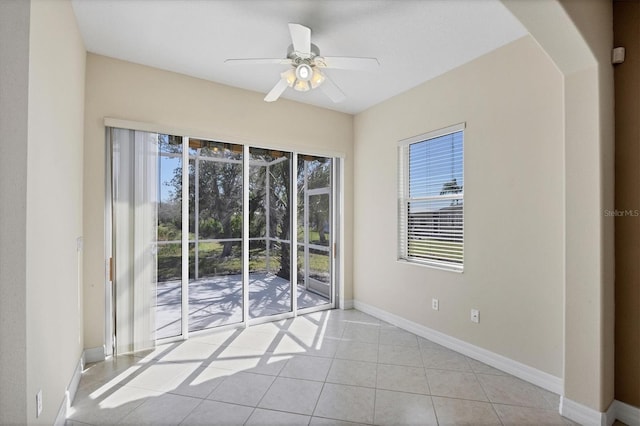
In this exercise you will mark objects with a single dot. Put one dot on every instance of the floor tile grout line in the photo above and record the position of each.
(493, 407)
(507, 403)
(190, 412)
(375, 400)
(484, 391)
(349, 421)
(435, 412)
(258, 403)
(375, 392)
(315, 407)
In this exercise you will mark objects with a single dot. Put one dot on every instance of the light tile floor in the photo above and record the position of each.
(327, 368)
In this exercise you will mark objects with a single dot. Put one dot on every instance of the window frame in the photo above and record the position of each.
(404, 199)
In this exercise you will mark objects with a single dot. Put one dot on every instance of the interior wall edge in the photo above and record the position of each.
(14, 88)
(585, 415)
(577, 36)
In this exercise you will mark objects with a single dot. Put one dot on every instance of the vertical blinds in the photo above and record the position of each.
(431, 198)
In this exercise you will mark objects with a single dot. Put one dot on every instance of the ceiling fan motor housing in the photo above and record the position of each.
(298, 56)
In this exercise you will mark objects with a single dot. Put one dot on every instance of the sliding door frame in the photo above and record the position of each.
(337, 239)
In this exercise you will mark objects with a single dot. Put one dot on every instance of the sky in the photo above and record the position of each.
(167, 167)
(433, 163)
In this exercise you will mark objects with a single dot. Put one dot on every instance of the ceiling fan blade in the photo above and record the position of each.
(277, 90)
(258, 61)
(332, 90)
(348, 63)
(301, 38)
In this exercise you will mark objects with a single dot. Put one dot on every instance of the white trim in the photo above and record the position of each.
(293, 231)
(625, 413)
(582, 414)
(339, 282)
(246, 156)
(610, 414)
(312, 309)
(270, 318)
(184, 276)
(433, 134)
(94, 355)
(532, 375)
(70, 392)
(431, 265)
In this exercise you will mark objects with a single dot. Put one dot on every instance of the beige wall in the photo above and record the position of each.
(589, 141)
(41, 175)
(124, 90)
(54, 205)
(511, 101)
(577, 36)
(14, 89)
(627, 86)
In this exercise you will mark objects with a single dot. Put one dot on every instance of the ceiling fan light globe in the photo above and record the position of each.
(304, 72)
(316, 79)
(289, 76)
(301, 86)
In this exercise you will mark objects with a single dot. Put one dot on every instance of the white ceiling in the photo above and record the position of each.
(414, 40)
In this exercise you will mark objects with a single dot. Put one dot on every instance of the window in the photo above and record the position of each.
(431, 199)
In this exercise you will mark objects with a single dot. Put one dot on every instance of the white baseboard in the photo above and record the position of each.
(94, 355)
(626, 413)
(584, 415)
(532, 375)
(70, 393)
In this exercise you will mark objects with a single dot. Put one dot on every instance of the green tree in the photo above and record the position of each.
(451, 187)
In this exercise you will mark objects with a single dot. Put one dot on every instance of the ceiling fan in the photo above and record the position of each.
(307, 66)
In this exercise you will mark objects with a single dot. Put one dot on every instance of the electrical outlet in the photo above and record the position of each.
(475, 316)
(435, 305)
(39, 403)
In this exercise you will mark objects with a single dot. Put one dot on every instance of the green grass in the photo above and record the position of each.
(317, 262)
(314, 237)
(211, 263)
(450, 251)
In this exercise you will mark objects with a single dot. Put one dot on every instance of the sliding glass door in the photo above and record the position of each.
(315, 231)
(168, 303)
(215, 234)
(203, 235)
(269, 233)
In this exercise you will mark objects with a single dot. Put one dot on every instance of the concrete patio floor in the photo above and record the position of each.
(217, 301)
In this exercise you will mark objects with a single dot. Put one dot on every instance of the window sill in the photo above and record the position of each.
(432, 265)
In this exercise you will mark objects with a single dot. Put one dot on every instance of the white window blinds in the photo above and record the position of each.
(431, 198)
